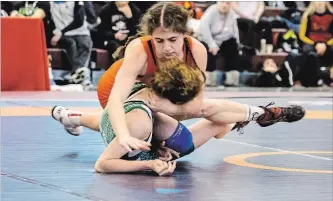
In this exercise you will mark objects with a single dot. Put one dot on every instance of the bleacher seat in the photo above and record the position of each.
(60, 59)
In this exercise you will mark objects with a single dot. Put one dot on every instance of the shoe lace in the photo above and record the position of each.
(240, 127)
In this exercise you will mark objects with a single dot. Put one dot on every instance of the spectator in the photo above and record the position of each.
(316, 32)
(250, 22)
(219, 33)
(273, 76)
(92, 18)
(73, 35)
(118, 22)
(270, 75)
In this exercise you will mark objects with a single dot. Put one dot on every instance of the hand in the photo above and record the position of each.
(129, 143)
(55, 39)
(163, 168)
(165, 153)
(214, 50)
(126, 10)
(321, 48)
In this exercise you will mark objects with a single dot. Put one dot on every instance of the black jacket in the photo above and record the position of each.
(113, 21)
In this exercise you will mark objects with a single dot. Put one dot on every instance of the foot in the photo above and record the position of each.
(273, 115)
(62, 115)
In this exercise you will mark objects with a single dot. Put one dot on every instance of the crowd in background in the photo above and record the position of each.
(232, 32)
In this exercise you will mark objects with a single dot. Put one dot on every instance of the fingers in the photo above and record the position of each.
(137, 144)
(143, 145)
(126, 147)
(170, 167)
(174, 153)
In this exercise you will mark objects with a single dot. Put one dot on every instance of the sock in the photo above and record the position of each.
(253, 112)
(74, 117)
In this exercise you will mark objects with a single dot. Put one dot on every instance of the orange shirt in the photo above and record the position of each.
(108, 78)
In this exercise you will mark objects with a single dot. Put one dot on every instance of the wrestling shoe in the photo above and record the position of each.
(62, 115)
(274, 115)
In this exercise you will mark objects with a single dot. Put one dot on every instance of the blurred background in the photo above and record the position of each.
(269, 44)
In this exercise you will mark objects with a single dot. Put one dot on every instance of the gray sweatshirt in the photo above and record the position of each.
(69, 18)
(216, 27)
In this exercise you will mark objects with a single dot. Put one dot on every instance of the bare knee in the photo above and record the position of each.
(209, 108)
(139, 124)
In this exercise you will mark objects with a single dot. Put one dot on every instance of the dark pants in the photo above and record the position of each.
(78, 49)
(310, 70)
(229, 52)
(249, 28)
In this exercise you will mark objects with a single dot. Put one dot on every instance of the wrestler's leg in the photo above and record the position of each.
(184, 140)
(74, 120)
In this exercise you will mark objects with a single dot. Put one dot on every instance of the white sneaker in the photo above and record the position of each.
(62, 114)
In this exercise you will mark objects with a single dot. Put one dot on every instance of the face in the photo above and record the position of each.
(320, 6)
(223, 6)
(270, 66)
(168, 44)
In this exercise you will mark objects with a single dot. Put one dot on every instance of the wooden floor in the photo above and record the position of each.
(40, 161)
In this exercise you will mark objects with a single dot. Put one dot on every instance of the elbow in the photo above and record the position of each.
(98, 167)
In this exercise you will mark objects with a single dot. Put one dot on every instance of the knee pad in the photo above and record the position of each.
(181, 140)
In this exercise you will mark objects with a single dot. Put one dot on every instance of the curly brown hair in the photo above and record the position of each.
(177, 81)
(168, 15)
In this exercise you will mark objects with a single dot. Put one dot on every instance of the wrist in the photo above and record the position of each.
(149, 165)
(57, 32)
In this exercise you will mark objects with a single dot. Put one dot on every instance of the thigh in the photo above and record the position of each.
(245, 25)
(83, 42)
(201, 131)
(68, 43)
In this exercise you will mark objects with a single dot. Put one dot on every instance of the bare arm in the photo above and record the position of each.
(110, 162)
(260, 11)
(134, 60)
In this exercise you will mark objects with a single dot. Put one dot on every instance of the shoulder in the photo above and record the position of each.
(135, 49)
(197, 46)
(199, 52)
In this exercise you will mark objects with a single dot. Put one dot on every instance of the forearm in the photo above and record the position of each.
(121, 166)
(260, 11)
